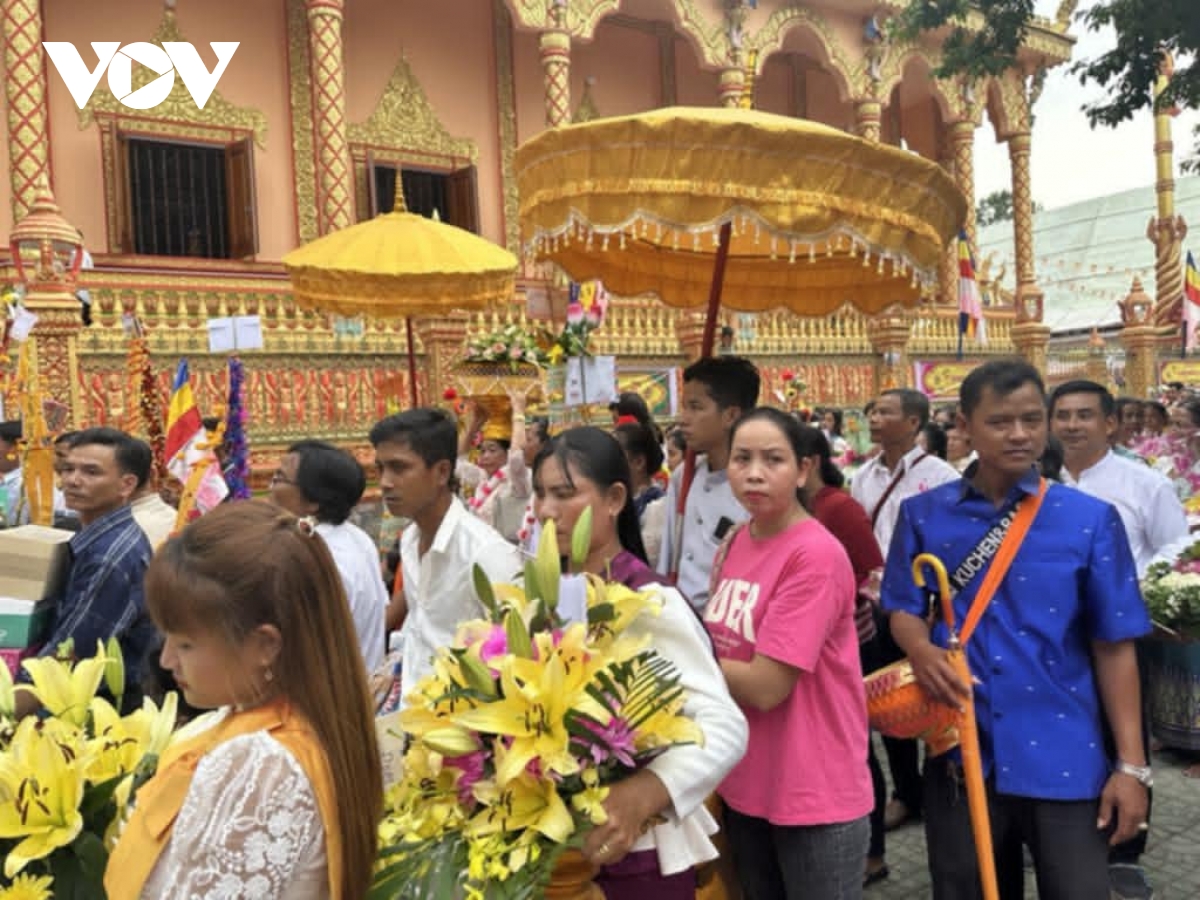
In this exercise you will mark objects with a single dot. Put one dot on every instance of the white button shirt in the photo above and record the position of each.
(710, 500)
(1145, 499)
(357, 561)
(871, 482)
(440, 588)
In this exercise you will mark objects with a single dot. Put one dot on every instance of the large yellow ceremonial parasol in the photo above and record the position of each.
(400, 264)
(750, 210)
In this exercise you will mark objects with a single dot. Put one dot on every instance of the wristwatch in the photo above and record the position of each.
(1141, 773)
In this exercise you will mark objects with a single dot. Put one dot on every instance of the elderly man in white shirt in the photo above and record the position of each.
(1083, 418)
(415, 454)
(318, 480)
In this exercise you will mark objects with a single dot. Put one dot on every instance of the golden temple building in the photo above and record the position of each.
(186, 212)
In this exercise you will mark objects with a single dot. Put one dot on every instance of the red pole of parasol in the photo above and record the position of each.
(706, 349)
(412, 363)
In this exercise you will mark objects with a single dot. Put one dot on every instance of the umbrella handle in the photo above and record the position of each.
(943, 583)
(977, 802)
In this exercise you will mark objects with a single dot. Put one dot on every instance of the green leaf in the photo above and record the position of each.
(581, 539)
(532, 586)
(477, 675)
(519, 642)
(483, 587)
(549, 567)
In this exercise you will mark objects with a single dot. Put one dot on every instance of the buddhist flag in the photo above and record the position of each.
(1191, 302)
(970, 307)
(186, 436)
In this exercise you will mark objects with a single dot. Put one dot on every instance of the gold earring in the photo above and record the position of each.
(269, 675)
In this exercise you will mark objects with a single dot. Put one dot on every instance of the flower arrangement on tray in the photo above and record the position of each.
(520, 729)
(587, 305)
(1172, 592)
(1173, 454)
(66, 780)
(511, 344)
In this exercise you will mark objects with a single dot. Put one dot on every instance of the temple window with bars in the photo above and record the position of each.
(180, 198)
(453, 194)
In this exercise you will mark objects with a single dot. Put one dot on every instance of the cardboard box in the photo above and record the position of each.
(33, 562)
(23, 623)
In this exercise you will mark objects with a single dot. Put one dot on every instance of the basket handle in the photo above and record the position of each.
(943, 583)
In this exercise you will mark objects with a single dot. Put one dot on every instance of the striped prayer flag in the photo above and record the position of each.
(970, 307)
(185, 429)
(1191, 303)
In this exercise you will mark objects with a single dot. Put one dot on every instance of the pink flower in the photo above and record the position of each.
(498, 347)
(594, 316)
(574, 314)
(471, 767)
(613, 741)
(495, 644)
(516, 353)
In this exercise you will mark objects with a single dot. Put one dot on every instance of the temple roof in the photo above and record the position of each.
(1088, 253)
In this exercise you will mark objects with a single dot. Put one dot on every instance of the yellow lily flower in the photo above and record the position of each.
(537, 695)
(162, 721)
(28, 887)
(590, 801)
(65, 690)
(8, 701)
(40, 792)
(450, 740)
(114, 671)
(525, 802)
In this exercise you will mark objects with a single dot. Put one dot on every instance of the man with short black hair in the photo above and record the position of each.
(415, 455)
(102, 597)
(717, 391)
(1131, 419)
(1052, 657)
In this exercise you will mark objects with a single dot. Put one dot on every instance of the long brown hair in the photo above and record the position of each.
(249, 564)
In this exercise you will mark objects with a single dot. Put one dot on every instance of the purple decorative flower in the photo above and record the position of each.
(575, 314)
(472, 770)
(495, 644)
(613, 741)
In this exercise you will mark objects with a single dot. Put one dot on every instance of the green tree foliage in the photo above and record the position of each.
(997, 207)
(1146, 30)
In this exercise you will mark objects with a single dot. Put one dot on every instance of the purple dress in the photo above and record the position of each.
(637, 876)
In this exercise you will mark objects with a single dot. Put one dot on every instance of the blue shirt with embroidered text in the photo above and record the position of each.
(1073, 581)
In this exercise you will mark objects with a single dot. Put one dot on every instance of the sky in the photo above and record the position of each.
(1072, 161)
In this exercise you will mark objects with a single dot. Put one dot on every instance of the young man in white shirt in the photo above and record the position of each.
(415, 454)
(717, 391)
(901, 470)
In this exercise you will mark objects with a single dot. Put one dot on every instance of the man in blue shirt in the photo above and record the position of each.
(102, 597)
(1052, 654)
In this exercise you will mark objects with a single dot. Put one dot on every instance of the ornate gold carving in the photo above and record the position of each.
(708, 38)
(25, 89)
(506, 94)
(554, 47)
(587, 110)
(404, 118)
(335, 172)
(179, 107)
(303, 153)
(770, 38)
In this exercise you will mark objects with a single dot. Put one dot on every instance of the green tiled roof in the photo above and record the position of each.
(1088, 253)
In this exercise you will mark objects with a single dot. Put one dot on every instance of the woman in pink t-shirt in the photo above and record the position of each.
(782, 621)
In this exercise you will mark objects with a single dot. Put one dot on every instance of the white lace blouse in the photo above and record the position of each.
(249, 828)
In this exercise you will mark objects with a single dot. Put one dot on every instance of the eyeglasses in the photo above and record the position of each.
(279, 478)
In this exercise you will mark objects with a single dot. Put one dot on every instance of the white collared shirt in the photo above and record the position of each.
(155, 517)
(357, 561)
(917, 475)
(708, 502)
(17, 512)
(439, 586)
(1145, 499)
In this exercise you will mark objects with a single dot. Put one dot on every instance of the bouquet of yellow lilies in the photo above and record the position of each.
(66, 780)
(515, 736)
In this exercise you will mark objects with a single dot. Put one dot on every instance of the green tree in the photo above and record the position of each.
(997, 207)
(1146, 30)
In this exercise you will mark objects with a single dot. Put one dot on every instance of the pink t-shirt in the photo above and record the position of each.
(791, 597)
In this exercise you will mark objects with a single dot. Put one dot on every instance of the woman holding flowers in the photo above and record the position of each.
(782, 620)
(278, 793)
(657, 828)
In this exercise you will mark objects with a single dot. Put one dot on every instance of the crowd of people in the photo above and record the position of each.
(785, 579)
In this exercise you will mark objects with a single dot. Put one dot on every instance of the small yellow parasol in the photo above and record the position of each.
(968, 733)
(400, 264)
(754, 210)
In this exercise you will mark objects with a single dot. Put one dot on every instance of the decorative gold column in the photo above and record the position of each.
(868, 113)
(732, 86)
(948, 273)
(50, 295)
(443, 338)
(1167, 230)
(961, 139)
(1029, 335)
(1029, 295)
(889, 333)
(335, 174)
(25, 90)
(555, 49)
(1140, 339)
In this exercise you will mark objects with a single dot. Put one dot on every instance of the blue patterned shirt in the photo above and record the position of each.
(102, 596)
(1072, 582)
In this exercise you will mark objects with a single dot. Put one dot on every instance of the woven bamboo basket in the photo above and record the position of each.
(898, 707)
(496, 379)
